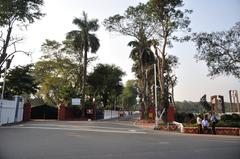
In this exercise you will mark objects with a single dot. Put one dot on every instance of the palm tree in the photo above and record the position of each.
(83, 42)
(143, 57)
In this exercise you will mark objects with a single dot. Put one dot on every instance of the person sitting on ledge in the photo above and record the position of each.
(205, 124)
(199, 123)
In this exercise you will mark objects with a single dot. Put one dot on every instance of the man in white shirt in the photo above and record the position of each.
(199, 123)
(205, 124)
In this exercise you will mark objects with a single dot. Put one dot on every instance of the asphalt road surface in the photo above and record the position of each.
(109, 140)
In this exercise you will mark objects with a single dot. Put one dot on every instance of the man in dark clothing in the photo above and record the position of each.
(214, 121)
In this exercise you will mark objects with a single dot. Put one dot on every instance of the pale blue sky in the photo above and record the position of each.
(208, 15)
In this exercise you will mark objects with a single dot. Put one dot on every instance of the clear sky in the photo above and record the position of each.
(208, 15)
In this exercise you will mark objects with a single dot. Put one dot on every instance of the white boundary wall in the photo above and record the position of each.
(109, 114)
(9, 112)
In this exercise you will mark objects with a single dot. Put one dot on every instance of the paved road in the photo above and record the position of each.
(107, 140)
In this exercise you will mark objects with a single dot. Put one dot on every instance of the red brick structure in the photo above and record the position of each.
(68, 113)
(26, 111)
(170, 113)
(219, 131)
(168, 128)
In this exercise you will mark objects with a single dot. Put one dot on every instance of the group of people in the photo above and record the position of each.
(203, 124)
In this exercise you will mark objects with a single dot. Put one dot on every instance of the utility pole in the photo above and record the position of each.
(155, 95)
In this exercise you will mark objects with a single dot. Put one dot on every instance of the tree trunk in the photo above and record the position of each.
(161, 68)
(4, 49)
(84, 81)
(144, 98)
(164, 94)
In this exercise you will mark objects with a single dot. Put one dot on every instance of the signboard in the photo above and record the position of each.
(76, 101)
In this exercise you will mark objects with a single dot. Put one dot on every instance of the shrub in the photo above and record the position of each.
(236, 117)
(230, 118)
(184, 117)
(226, 117)
(228, 124)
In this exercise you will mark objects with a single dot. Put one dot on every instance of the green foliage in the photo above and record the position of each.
(57, 74)
(233, 117)
(83, 41)
(189, 107)
(131, 22)
(20, 81)
(129, 94)
(158, 20)
(141, 54)
(183, 117)
(12, 12)
(220, 50)
(169, 18)
(19, 10)
(228, 120)
(228, 124)
(106, 83)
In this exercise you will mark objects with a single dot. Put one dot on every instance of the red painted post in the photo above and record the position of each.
(61, 112)
(26, 111)
(170, 114)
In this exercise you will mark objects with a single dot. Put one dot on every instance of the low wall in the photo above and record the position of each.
(219, 130)
(11, 111)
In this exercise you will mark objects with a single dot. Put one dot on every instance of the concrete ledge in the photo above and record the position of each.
(228, 131)
(219, 130)
(168, 128)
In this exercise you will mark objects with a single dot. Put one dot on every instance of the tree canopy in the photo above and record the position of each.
(129, 94)
(83, 41)
(106, 82)
(159, 21)
(14, 12)
(57, 74)
(220, 50)
(20, 81)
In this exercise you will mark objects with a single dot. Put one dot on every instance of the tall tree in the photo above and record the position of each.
(135, 22)
(170, 77)
(85, 41)
(14, 12)
(143, 57)
(168, 19)
(57, 74)
(220, 50)
(159, 20)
